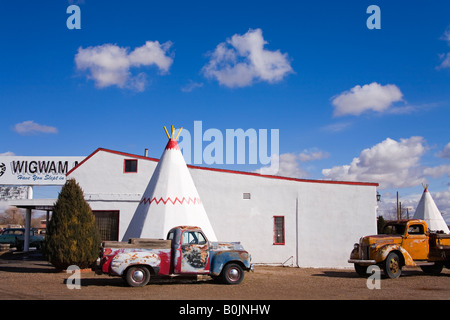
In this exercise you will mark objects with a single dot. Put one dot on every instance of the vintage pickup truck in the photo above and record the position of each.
(186, 251)
(403, 243)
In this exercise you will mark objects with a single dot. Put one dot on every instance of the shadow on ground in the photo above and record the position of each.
(25, 262)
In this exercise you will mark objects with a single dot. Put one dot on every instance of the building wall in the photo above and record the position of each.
(322, 220)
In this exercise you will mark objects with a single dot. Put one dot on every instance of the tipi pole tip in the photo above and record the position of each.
(172, 135)
(165, 129)
(178, 134)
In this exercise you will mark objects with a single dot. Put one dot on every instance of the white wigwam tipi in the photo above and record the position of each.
(429, 212)
(170, 199)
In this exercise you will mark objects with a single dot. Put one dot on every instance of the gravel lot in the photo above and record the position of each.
(29, 277)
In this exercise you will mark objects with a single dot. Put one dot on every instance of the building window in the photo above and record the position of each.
(246, 195)
(130, 166)
(278, 230)
(107, 224)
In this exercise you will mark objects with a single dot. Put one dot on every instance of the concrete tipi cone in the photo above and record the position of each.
(429, 212)
(170, 199)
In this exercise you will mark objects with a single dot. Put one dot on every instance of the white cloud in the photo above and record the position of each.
(285, 165)
(110, 64)
(311, 155)
(374, 96)
(445, 57)
(7, 153)
(241, 60)
(337, 127)
(445, 153)
(446, 35)
(391, 163)
(445, 61)
(437, 171)
(31, 127)
(191, 86)
(442, 200)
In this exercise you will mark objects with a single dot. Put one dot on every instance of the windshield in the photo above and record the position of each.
(394, 229)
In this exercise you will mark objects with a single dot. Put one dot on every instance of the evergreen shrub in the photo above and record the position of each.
(72, 236)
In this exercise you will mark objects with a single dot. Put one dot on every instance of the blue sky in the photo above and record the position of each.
(350, 103)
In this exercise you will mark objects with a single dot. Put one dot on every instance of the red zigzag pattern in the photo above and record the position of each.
(187, 200)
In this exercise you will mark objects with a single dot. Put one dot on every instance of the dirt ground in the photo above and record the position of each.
(29, 277)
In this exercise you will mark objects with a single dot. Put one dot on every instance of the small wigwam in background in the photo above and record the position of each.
(429, 212)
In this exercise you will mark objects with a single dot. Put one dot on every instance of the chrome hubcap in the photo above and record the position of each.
(138, 275)
(233, 274)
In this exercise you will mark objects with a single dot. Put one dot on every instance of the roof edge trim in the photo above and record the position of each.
(374, 184)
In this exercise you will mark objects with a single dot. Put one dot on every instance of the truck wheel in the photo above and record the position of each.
(392, 266)
(232, 274)
(361, 270)
(434, 269)
(137, 276)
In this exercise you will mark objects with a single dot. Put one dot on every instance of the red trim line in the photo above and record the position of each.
(187, 200)
(110, 151)
(374, 184)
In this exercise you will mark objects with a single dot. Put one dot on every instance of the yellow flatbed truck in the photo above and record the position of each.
(404, 243)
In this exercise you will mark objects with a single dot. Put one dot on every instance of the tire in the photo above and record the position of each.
(361, 270)
(137, 276)
(232, 273)
(392, 266)
(434, 269)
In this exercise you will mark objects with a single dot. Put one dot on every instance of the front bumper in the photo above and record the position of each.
(362, 262)
(97, 268)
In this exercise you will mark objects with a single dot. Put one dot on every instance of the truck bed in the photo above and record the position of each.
(439, 246)
(439, 239)
(139, 243)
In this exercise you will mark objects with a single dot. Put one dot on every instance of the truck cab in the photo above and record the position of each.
(190, 251)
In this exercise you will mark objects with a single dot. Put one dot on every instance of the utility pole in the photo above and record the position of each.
(397, 208)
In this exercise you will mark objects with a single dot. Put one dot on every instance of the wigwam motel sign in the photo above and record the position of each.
(36, 170)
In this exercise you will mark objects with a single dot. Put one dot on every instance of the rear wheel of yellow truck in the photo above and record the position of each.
(392, 266)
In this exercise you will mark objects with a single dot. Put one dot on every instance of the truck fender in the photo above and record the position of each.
(354, 254)
(123, 260)
(384, 251)
(221, 258)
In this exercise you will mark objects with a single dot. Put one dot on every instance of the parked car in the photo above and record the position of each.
(15, 238)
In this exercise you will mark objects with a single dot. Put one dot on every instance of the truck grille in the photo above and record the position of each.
(364, 251)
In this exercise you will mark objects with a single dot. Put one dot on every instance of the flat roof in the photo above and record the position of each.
(36, 204)
(374, 184)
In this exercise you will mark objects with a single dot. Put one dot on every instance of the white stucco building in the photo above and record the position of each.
(298, 222)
